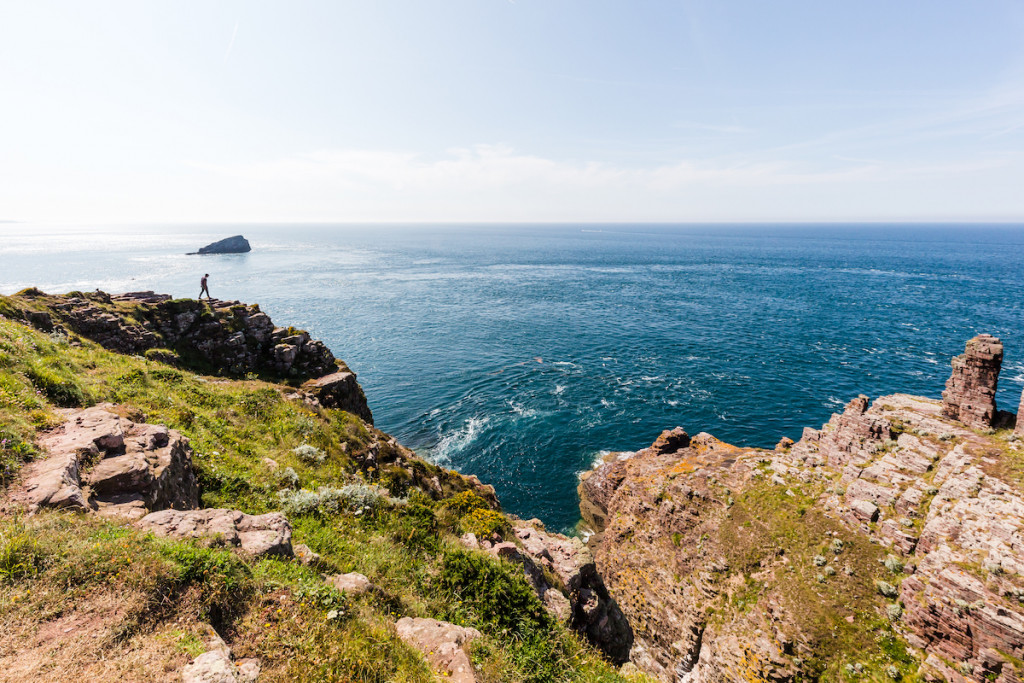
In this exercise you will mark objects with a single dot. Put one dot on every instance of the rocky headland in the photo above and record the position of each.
(885, 545)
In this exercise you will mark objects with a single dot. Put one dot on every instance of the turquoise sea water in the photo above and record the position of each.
(519, 353)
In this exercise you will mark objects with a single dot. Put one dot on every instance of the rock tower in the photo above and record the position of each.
(970, 394)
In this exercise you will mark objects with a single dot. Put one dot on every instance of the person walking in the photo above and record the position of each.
(204, 289)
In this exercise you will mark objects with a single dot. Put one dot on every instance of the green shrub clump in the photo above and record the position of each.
(496, 592)
(20, 554)
(485, 524)
(327, 500)
(466, 502)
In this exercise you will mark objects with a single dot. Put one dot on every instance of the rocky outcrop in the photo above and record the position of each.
(738, 564)
(443, 644)
(255, 535)
(228, 245)
(215, 666)
(970, 394)
(340, 390)
(99, 460)
(213, 336)
(562, 573)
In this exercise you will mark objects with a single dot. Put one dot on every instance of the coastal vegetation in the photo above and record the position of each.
(82, 596)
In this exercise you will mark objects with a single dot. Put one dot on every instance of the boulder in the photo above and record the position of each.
(670, 441)
(305, 555)
(255, 535)
(229, 245)
(970, 394)
(98, 460)
(215, 666)
(352, 583)
(443, 644)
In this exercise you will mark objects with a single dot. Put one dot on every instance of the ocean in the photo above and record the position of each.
(520, 353)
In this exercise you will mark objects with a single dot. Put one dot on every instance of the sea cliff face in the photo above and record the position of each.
(887, 544)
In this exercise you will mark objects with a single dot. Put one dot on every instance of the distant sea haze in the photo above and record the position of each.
(520, 352)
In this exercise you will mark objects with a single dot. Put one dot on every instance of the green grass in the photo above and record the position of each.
(273, 609)
(840, 617)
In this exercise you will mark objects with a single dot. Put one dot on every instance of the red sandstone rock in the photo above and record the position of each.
(255, 535)
(898, 471)
(99, 460)
(671, 440)
(970, 394)
(442, 644)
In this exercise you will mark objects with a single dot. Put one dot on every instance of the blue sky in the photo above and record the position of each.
(490, 110)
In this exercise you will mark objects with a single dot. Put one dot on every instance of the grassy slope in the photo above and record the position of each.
(147, 604)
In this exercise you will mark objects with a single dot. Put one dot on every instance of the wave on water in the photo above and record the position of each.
(457, 440)
(520, 410)
(601, 457)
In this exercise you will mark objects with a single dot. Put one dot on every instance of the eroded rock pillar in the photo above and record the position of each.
(970, 394)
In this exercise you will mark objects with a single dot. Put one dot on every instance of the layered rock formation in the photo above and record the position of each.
(100, 460)
(225, 337)
(562, 572)
(229, 245)
(888, 543)
(255, 535)
(970, 394)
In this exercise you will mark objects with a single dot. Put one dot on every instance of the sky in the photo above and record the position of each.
(500, 111)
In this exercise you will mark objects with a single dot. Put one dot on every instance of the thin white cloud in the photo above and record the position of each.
(231, 43)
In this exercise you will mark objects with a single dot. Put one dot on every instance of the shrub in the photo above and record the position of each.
(496, 592)
(328, 500)
(417, 527)
(465, 502)
(164, 356)
(288, 479)
(886, 589)
(893, 564)
(13, 451)
(311, 455)
(20, 554)
(485, 523)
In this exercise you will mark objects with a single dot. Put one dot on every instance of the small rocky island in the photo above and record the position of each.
(229, 245)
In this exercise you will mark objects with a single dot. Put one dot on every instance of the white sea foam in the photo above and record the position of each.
(458, 440)
(521, 410)
(598, 459)
(559, 388)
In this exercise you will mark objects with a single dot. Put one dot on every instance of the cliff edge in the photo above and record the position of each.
(886, 545)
